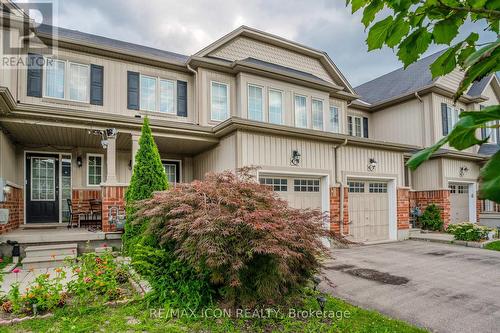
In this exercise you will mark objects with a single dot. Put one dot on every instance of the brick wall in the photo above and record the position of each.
(81, 200)
(14, 203)
(403, 208)
(111, 196)
(335, 210)
(439, 197)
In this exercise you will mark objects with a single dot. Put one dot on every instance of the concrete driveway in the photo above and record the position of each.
(443, 288)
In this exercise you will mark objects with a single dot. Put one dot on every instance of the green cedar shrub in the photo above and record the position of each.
(148, 176)
(431, 218)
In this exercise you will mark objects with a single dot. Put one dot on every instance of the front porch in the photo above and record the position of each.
(60, 169)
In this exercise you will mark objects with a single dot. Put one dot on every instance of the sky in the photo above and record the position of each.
(187, 26)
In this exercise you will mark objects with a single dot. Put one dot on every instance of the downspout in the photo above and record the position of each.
(195, 93)
(338, 180)
(423, 116)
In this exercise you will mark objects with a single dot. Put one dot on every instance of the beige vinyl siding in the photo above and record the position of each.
(245, 47)
(205, 77)
(451, 80)
(115, 86)
(493, 99)
(273, 153)
(451, 170)
(353, 162)
(428, 176)
(402, 123)
(220, 158)
(8, 169)
(288, 92)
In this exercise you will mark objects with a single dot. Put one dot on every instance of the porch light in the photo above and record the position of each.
(372, 164)
(295, 160)
(79, 161)
(463, 171)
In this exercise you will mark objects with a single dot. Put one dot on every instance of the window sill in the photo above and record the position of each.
(163, 115)
(65, 102)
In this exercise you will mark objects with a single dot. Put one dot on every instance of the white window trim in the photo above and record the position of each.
(248, 101)
(141, 107)
(159, 95)
(295, 111)
(87, 168)
(322, 114)
(269, 105)
(228, 100)
(67, 64)
(353, 126)
(158, 80)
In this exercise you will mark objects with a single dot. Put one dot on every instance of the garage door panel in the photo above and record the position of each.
(459, 202)
(299, 192)
(368, 211)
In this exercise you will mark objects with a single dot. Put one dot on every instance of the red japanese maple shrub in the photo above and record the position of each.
(256, 248)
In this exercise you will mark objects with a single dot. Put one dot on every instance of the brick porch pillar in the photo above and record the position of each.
(403, 208)
(335, 210)
(112, 196)
(15, 204)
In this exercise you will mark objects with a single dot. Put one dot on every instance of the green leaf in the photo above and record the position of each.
(370, 11)
(489, 178)
(477, 3)
(481, 52)
(420, 157)
(485, 66)
(464, 54)
(445, 30)
(445, 63)
(378, 33)
(472, 38)
(413, 46)
(398, 30)
(357, 4)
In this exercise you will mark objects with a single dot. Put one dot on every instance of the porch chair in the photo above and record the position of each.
(70, 209)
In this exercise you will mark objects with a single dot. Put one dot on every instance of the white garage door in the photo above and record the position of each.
(298, 191)
(368, 210)
(459, 202)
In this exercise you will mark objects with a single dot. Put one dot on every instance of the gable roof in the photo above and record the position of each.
(322, 56)
(104, 42)
(399, 81)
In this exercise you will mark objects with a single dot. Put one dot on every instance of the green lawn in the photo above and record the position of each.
(136, 317)
(493, 246)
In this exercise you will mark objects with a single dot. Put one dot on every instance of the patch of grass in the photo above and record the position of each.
(4, 262)
(136, 317)
(495, 246)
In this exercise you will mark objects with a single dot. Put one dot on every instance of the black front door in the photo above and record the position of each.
(42, 188)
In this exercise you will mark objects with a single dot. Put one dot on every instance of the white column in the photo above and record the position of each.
(135, 147)
(111, 160)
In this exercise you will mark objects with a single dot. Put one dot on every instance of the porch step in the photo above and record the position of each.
(50, 250)
(415, 231)
(46, 256)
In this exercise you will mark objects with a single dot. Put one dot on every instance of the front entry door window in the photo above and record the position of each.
(42, 180)
(173, 171)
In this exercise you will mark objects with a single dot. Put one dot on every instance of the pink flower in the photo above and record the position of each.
(104, 245)
(1, 259)
(87, 279)
(16, 270)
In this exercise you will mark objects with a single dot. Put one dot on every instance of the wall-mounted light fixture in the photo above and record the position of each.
(104, 134)
(372, 164)
(79, 161)
(463, 170)
(4, 190)
(295, 160)
(130, 164)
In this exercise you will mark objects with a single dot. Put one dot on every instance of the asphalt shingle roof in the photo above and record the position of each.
(398, 82)
(489, 149)
(113, 43)
(478, 86)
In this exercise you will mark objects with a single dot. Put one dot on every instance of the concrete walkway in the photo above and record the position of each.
(26, 277)
(444, 288)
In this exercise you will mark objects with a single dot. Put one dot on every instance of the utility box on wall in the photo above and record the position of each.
(4, 215)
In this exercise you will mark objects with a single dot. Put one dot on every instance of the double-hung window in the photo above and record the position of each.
(67, 80)
(255, 103)
(300, 111)
(79, 82)
(449, 116)
(148, 93)
(354, 126)
(334, 119)
(94, 169)
(219, 101)
(167, 96)
(317, 114)
(275, 106)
